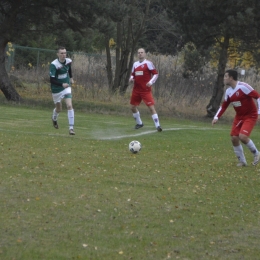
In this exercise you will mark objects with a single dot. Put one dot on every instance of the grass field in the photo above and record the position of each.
(87, 197)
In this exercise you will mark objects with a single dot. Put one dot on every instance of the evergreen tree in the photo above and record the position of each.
(206, 23)
(26, 19)
(16, 18)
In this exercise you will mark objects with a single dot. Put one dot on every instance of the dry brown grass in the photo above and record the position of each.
(174, 94)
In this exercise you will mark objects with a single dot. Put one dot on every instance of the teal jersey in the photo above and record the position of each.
(59, 71)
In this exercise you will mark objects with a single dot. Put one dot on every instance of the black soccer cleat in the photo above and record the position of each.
(137, 126)
(55, 124)
(159, 129)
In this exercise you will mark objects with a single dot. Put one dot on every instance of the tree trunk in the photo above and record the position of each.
(126, 43)
(109, 66)
(119, 49)
(135, 38)
(218, 90)
(125, 69)
(127, 65)
(5, 84)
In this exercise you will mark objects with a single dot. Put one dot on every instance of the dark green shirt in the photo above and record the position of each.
(60, 71)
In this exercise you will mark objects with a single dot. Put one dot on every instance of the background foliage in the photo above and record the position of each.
(224, 33)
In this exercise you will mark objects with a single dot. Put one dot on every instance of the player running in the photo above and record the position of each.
(61, 80)
(241, 96)
(144, 76)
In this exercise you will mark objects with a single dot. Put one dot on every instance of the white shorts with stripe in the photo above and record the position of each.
(57, 97)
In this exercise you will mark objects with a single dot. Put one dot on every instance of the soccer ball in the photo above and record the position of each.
(135, 147)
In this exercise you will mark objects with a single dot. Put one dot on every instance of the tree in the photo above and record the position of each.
(121, 18)
(160, 36)
(193, 61)
(206, 23)
(125, 21)
(24, 18)
(16, 18)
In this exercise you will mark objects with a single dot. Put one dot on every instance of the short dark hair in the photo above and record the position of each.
(141, 48)
(60, 48)
(232, 73)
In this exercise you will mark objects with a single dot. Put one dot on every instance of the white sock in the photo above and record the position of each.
(251, 146)
(71, 118)
(55, 115)
(137, 118)
(239, 153)
(156, 120)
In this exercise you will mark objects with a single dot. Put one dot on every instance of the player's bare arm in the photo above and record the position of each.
(131, 79)
(258, 105)
(214, 121)
(65, 85)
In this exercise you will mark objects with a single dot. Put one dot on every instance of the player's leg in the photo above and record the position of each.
(238, 148)
(68, 101)
(244, 134)
(135, 101)
(58, 107)
(149, 101)
(155, 118)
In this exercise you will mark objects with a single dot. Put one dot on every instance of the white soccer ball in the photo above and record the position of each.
(135, 147)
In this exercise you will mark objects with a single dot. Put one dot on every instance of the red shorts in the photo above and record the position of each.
(244, 127)
(137, 98)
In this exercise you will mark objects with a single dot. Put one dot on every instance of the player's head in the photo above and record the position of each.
(141, 54)
(230, 77)
(61, 53)
(232, 73)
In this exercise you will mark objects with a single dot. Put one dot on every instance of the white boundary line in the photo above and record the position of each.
(98, 137)
(152, 132)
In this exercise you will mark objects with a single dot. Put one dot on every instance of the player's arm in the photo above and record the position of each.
(154, 72)
(70, 75)
(258, 105)
(152, 80)
(132, 77)
(54, 81)
(221, 111)
(254, 94)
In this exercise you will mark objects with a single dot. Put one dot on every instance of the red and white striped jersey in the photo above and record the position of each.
(142, 73)
(241, 97)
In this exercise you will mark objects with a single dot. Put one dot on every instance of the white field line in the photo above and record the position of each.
(113, 137)
(152, 132)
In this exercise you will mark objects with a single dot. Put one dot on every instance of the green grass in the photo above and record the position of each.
(88, 197)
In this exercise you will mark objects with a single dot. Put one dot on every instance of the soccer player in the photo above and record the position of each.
(144, 75)
(241, 96)
(61, 80)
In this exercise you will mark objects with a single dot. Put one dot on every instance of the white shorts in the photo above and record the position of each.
(57, 97)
